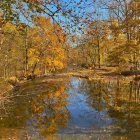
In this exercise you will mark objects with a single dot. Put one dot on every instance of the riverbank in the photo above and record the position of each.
(5, 93)
(104, 73)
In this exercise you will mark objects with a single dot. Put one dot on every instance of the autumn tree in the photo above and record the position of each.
(126, 15)
(11, 50)
(46, 45)
(93, 46)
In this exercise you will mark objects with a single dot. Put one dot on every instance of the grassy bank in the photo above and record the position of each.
(6, 85)
(104, 73)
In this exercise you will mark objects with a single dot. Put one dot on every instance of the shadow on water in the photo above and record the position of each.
(73, 109)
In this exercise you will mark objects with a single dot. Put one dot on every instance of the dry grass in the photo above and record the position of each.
(5, 89)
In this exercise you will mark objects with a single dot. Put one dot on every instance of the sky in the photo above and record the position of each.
(74, 16)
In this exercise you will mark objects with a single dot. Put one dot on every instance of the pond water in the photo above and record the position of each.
(73, 109)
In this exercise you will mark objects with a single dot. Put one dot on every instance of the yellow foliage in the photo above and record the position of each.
(46, 45)
(9, 27)
(115, 23)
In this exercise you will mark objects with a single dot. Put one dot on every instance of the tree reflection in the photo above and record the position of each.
(41, 106)
(127, 113)
(49, 110)
(122, 100)
(46, 113)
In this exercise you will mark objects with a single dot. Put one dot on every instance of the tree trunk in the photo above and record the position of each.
(33, 71)
(26, 54)
(99, 58)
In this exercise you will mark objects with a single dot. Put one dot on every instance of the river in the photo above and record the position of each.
(73, 109)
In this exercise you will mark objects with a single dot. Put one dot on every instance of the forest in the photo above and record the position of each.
(36, 39)
(51, 40)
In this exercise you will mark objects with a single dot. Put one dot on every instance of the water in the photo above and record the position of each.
(73, 109)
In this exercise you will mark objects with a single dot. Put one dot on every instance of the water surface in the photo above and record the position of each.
(74, 109)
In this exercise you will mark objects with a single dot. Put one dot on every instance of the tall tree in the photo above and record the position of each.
(46, 47)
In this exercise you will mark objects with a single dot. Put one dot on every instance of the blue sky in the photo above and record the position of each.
(80, 9)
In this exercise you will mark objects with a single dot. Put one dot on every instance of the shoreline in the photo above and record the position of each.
(95, 74)
(91, 75)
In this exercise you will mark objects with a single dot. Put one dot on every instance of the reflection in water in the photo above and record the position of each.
(50, 111)
(121, 99)
(75, 109)
(43, 113)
